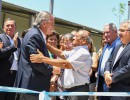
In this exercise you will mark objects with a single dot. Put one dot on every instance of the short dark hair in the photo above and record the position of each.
(53, 32)
(9, 19)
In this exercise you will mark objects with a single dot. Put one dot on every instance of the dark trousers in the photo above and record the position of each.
(29, 97)
(118, 87)
(9, 81)
(102, 87)
(82, 88)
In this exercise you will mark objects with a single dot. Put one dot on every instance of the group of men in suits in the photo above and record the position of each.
(114, 63)
(35, 76)
(30, 76)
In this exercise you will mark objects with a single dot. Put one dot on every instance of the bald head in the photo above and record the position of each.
(80, 37)
(84, 33)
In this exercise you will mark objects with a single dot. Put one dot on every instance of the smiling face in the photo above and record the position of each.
(9, 27)
(45, 21)
(124, 33)
(76, 39)
(68, 44)
(50, 25)
(80, 38)
(110, 34)
(52, 40)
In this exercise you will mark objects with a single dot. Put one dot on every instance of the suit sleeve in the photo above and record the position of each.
(6, 51)
(35, 43)
(123, 73)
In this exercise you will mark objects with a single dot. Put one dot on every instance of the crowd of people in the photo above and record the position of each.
(44, 60)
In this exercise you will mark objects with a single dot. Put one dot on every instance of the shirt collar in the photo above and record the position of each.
(11, 40)
(8, 36)
(78, 47)
(114, 43)
(43, 35)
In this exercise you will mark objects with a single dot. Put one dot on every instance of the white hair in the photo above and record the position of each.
(40, 17)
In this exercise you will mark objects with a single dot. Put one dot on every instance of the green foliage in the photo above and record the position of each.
(120, 11)
(122, 8)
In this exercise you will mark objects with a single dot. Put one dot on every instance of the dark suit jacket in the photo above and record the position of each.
(100, 80)
(120, 70)
(100, 83)
(33, 76)
(6, 58)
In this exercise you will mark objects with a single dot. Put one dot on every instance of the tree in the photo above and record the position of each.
(120, 11)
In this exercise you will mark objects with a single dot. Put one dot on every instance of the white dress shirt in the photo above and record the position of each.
(43, 35)
(81, 61)
(118, 54)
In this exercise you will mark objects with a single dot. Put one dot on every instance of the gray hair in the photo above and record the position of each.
(68, 36)
(89, 39)
(112, 26)
(40, 17)
(9, 19)
(128, 22)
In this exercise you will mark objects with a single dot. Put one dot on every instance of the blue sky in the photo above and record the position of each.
(91, 13)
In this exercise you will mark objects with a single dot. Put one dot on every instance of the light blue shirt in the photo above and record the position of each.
(106, 54)
(14, 65)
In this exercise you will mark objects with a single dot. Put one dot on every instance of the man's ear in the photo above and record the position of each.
(43, 22)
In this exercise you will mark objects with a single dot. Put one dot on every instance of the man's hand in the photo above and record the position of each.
(37, 58)
(96, 74)
(53, 83)
(1, 45)
(108, 79)
(16, 39)
(90, 72)
(56, 70)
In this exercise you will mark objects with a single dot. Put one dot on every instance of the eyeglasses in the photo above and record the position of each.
(123, 30)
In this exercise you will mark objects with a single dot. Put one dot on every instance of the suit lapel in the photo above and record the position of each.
(44, 45)
(115, 53)
(6, 40)
(122, 53)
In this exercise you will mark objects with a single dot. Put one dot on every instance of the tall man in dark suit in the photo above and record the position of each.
(35, 76)
(112, 40)
(117, 70)
(8, 57)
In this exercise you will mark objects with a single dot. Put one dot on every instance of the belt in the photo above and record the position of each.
(75, 87)
(13, 71)
(61, 87)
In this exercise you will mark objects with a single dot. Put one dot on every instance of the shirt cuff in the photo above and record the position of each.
(106, 72)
